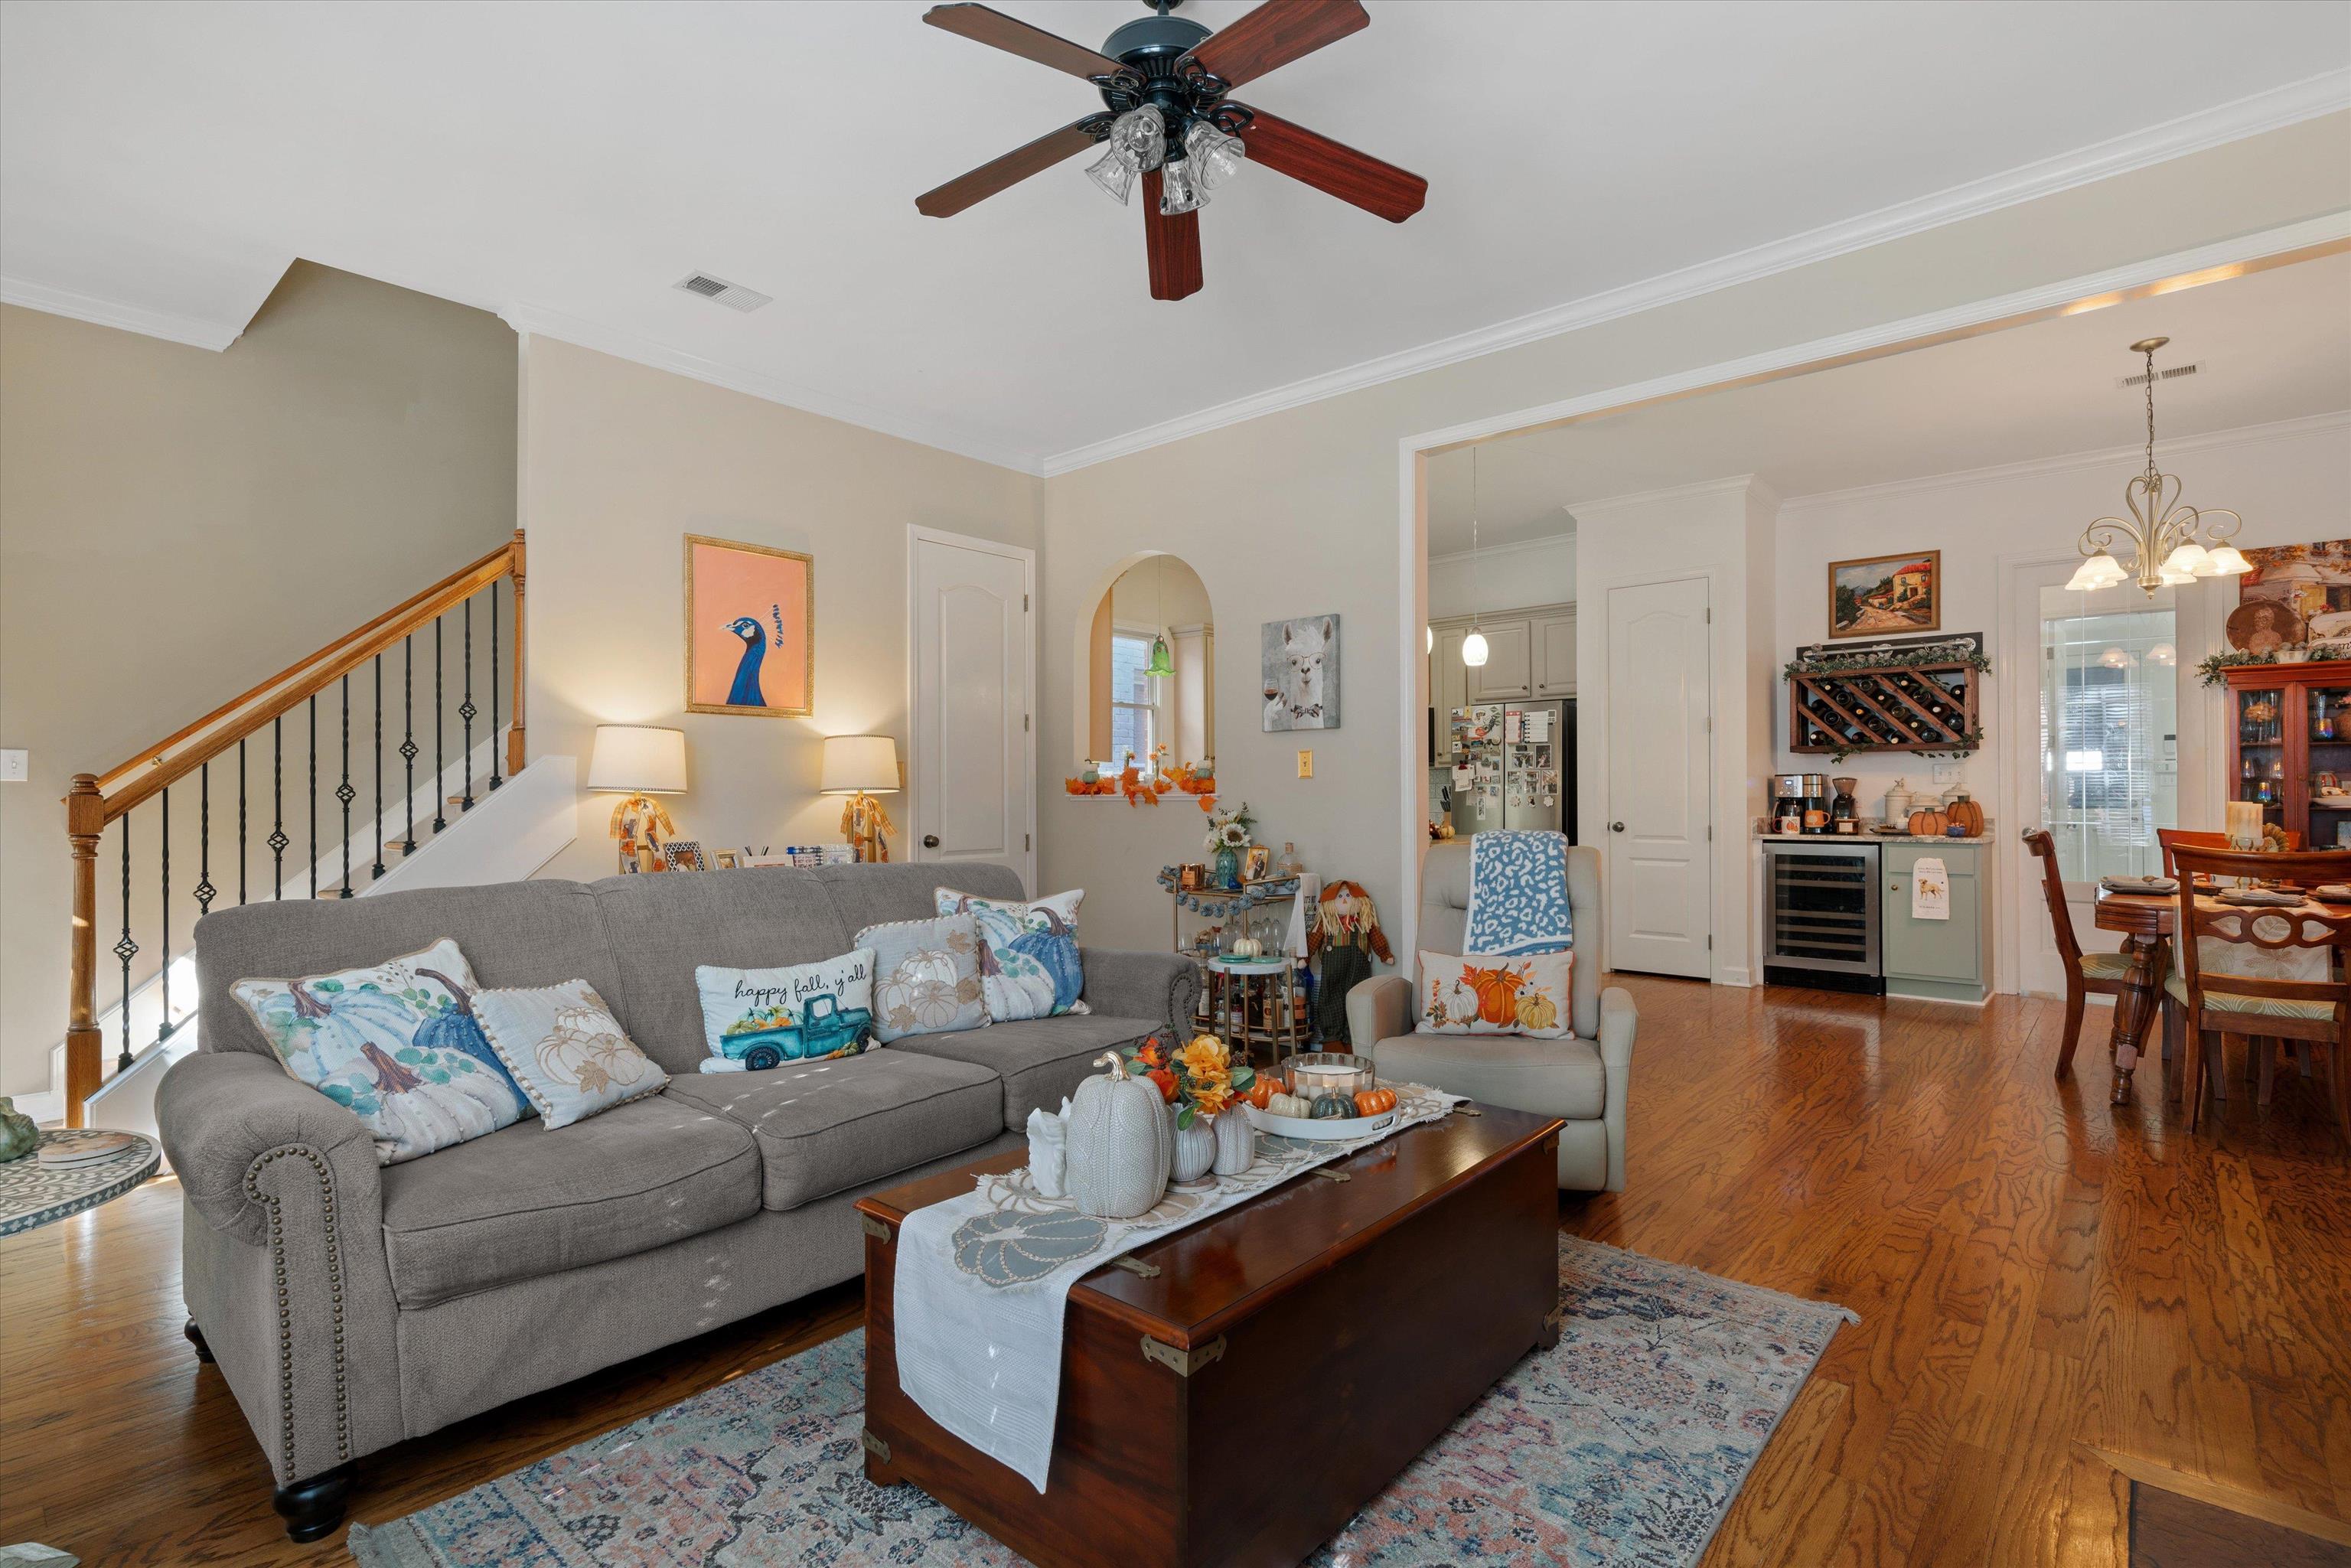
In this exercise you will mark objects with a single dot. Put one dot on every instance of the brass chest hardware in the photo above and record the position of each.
(1183, 1363)
(1327, 1173)
(877, 1228)
(1467, 1111)
(874, 1445)
(1136, 1267)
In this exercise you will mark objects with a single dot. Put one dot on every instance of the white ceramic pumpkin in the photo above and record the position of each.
(1195, 1150)
(1236, 1141)
(1121, 1141)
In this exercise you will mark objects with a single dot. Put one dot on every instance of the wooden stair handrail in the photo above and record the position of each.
(310, 676)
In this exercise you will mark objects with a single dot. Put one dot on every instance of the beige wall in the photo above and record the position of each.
(177, 523)
(1300, 507)
(620, 462)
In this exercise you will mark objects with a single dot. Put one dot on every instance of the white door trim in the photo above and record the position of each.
(918, 533)
(2204, 264)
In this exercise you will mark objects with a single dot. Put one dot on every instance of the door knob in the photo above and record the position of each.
(1615, 827)
(930, 841)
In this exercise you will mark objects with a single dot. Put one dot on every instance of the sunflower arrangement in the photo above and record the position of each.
(1199, 1078)
(1233, 830)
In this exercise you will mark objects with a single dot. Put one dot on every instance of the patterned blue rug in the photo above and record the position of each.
(1623, 1444)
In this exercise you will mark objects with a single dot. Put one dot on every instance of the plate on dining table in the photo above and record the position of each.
(2260, 898)
(2157, 885)
(2332, 893)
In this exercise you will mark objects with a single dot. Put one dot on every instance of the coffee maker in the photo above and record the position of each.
(1800, 803)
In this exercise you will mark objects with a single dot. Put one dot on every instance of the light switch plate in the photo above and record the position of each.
(1948, 772)
(1306, 763)
(15, 765)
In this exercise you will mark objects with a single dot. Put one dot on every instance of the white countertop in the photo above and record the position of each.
(1872, 838)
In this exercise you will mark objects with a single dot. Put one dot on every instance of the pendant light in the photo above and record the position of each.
(1473, 646)
(2171, 543)
(1160, 664)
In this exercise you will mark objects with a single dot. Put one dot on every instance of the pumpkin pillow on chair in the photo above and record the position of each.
(1527, 995)
(926, 977)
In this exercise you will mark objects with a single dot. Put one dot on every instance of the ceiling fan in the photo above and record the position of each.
(1164, 80)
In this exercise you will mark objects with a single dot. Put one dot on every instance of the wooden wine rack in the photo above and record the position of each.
(1889, 707)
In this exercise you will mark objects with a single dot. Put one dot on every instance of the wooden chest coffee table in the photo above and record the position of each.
(1267, 1371)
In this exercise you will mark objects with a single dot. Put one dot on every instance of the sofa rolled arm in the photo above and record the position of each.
(283, 1258)
(1161, 987)
(1620, 1022)
(1378, 1008)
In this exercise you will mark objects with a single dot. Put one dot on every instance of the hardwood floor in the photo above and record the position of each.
(2039, 1278)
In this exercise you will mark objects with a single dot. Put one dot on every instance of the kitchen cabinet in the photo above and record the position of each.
(1448, 683)
(1509, 669)
(1947, 960)
(1554, 653)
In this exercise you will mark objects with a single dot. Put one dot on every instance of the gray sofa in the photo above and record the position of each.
(1582, 1078)
(351, 1305)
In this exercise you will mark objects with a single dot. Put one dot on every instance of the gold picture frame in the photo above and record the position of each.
(1891, 595)
(731, 578)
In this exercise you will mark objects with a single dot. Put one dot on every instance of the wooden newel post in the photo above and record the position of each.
(85, 1053)
(515, 752)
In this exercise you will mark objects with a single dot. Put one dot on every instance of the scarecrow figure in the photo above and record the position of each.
(1346, 935)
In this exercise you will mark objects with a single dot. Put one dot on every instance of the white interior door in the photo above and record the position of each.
(1660, 891)
(973, 666)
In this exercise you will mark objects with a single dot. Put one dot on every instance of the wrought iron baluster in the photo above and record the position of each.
(494, 748)
(278, 841)
(440, 758)
(379, 765)
(240, 821)
(125, 948)
(466, 710)
(163, 1022)
(205, 890)
(343, 791)
(408, 746)
(313, 792)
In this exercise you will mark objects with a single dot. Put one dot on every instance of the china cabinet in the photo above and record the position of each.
(2289, 731)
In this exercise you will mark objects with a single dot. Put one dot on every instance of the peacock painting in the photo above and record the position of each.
(744, 692)
(750, 628)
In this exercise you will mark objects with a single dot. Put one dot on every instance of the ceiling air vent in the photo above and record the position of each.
(734, 296)
(2168, 373)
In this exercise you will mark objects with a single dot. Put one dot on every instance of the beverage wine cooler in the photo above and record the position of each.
(1821, 914)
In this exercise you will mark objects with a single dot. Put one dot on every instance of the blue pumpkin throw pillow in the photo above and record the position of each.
(398, 1043)
(1028, 961)
(753, 1020)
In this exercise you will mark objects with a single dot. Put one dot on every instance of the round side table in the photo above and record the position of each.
(1236, 985)
(33, 1193)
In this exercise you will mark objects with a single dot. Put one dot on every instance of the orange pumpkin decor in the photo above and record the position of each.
(1266, 1087)
(1498, 992)
(1374, 1101)
(1929, 822)
(1965, 813)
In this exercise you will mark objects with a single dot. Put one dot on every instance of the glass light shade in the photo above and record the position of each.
(638, 759)
(858, 764)
(1143, 133)
(2115, 658)
(2188, 558)
(2172, 579)
(2101, 570)
(1114, 172)
(1215, 157)
(2163, 653)
(1160, 664)
(2226, 560)
(1473, 648)
(1177, 193)
(1429, 635)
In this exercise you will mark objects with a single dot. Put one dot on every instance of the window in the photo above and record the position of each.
(1134, 700)
(2109, 768)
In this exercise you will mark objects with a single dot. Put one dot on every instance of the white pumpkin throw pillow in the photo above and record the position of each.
(926, 977)
(565, 1050)
(1029, 965)
(757, 1019)
(1524, 995)
(398, 1043)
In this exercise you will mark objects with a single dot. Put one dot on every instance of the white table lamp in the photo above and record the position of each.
(861, 767)
(639, 761)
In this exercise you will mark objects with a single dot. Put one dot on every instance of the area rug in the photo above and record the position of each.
(1623, 1444)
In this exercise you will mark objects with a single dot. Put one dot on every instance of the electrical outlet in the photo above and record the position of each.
(15, 765)
(1306, 764)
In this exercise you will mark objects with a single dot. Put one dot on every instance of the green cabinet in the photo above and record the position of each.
(1949, 960)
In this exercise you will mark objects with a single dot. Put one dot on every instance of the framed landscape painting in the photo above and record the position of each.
(1886, 595)
(751, 629)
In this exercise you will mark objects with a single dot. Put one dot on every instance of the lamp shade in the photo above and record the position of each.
(859, 765)
(638, 759)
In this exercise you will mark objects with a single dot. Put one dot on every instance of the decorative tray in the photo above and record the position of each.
(1321, 1130)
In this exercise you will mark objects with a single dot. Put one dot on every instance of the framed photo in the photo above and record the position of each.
(1885, 595)
(1256, 862)
(725, 859)
(751, 629)
(1300, 662)
(684, 854)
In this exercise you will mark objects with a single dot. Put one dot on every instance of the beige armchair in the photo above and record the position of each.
(1582, 1079)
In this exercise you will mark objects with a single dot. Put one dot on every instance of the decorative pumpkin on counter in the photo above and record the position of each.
(1963, 812)
(1331, 1106)
(1121, 1143)
(1374, 1101)
(1261, 1092)
(1289, 1105)
(1929, 822)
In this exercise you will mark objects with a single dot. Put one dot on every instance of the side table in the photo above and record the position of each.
(33, 1193)
(1240, 989)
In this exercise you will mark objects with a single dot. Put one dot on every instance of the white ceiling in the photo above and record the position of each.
(162, 163)
(2275, 345)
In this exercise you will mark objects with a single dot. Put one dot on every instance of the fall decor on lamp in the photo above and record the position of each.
(639, 761)
(861, 767)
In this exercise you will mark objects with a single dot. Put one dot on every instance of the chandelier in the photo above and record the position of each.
(2171, 543)
(1190, 167)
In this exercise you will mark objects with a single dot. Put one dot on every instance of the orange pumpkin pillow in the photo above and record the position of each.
(1525, 995)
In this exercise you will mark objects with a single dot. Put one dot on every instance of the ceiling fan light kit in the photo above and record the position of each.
(1164, 80)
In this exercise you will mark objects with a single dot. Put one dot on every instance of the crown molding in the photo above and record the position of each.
(2269, 111)
(1516, 547)
(2073, 462)
(193, 331)
(1601, 505)
(540, 320)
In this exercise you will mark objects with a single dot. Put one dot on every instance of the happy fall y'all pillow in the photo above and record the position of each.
(753, 1020)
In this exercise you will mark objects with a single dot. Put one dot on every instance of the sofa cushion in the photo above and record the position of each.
(823, 1127)
(1041, 1061)
(1561, 1078)
(527, 1200)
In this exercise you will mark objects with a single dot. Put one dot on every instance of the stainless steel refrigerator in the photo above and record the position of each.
(1515, 766)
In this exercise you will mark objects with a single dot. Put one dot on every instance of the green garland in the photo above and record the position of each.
(1900, 659)
(2214, 665)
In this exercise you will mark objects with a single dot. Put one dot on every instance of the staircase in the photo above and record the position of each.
(475, 811)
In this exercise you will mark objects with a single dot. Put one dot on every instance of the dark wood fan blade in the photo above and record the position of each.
(999, 31)
(1173, 245)
(1277, 33)
(1015, 166)
(1315, 159)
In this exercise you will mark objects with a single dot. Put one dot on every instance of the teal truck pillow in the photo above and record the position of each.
(753, 1020)
(926, 977)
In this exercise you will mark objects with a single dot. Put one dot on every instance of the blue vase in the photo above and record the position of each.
(1226, 866)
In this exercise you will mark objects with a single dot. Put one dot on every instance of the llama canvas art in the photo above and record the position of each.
(1301, 673)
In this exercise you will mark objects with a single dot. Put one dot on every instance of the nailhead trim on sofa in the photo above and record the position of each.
(285, 1303)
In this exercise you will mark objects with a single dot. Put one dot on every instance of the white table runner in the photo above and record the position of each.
(983, 1285)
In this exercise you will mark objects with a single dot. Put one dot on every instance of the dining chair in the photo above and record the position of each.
(2103, 973)
(2234, 966)
(2169, 839)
